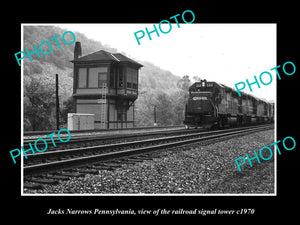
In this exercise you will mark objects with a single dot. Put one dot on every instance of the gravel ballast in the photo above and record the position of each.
(192, 169)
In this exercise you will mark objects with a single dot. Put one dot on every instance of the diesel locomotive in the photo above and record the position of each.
(211, 104)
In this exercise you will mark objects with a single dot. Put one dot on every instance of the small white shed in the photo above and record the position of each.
(81, 121)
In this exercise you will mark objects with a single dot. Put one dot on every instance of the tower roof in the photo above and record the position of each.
(104, 56)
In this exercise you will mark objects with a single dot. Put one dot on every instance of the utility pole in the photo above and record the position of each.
(57, 103)
(155, 124)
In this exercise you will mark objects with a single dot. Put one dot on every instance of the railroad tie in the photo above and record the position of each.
(32, 186)
(107, 166)
(72, 174)
(90, 171)
(43, 181)
(57, 177)
(146, 157)
(135, 160)
(102, 167)
(125, 161)
(115, 165)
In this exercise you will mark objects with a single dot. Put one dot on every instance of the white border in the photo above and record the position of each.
(22, 113)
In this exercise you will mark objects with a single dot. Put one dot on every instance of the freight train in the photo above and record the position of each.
(211, 104)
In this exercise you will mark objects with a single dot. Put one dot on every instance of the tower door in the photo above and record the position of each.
(121, 118)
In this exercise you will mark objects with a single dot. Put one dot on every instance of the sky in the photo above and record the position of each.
(224, 53)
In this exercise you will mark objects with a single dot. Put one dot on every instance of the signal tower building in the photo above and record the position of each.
(105, 84)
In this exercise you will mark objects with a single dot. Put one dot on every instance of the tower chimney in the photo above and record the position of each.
(77, 50)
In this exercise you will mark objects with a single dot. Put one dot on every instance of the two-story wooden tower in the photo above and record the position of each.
(105, 84)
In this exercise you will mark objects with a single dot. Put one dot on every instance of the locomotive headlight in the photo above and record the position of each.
(203, 83)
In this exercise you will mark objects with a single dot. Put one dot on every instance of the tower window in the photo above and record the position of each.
(82, 78)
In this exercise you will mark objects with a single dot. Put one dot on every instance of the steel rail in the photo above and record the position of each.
(94, 138)
(69, 163)
(87, 149)
(32, 133)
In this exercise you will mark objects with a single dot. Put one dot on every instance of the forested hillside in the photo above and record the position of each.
(157, 87)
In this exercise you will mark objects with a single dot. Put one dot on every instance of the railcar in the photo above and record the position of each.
(211, 104)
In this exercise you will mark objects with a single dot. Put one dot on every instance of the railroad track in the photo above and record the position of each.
(78, 134)
(100, 139)
(51, 166)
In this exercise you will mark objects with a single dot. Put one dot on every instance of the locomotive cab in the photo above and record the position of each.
(200, 109)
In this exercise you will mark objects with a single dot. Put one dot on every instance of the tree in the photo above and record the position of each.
(68, 107)
(179, 100)
(39, 103)
(164, 110)
(184, 83)
(144, 107)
